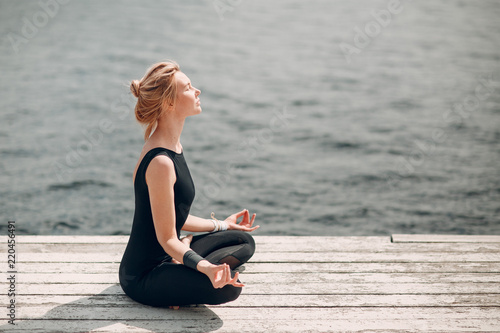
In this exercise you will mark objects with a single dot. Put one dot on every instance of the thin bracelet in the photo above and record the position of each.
(223, 225)
(215, 225)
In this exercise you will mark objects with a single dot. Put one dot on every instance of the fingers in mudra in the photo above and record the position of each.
(246, 223)
(222, 277)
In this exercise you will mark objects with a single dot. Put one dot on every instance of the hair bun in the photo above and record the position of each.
(134, 88)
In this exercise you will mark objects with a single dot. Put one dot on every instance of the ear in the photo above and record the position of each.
(167, 106)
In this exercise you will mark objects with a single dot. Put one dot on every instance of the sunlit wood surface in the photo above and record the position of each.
(402, 283)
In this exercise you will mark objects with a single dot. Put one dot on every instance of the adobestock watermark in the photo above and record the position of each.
(32, 25)
(407, 166)
(247, 151)
(93, 137)
(11, 271)
(223, 6)
(363, 37)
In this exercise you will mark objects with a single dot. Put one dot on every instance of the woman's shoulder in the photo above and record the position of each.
(156, 159)
(161, 169)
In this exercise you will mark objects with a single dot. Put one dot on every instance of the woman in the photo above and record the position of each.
(158, 268)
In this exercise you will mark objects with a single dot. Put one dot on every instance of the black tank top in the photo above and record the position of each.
(143, 251)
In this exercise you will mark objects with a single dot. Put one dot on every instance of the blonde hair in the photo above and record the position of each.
(155, 92)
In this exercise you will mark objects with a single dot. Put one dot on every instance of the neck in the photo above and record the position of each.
(168, 132)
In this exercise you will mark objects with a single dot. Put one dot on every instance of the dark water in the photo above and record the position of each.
(403, 138)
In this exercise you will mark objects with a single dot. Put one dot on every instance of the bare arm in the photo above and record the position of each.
(197, 224)
(161, 178)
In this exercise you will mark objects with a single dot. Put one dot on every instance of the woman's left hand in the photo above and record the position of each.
(245, 224)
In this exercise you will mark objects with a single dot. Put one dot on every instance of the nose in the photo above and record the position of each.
(198, 92)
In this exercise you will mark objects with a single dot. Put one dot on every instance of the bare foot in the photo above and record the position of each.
(187, 240)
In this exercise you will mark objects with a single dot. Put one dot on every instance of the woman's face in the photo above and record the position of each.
(187, 103)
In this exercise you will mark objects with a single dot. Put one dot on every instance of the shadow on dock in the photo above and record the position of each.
(109, 310)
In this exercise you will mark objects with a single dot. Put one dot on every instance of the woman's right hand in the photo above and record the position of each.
(219, 275)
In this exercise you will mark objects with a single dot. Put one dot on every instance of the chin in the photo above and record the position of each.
(195, 112)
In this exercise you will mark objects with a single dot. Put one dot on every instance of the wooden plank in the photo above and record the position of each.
(257, 268)
(405, 238)
(286, 278)
(123, 239)
(141, 312)
(262, 325)
(280, 247)
(283, 289)
(293, 284)
(381, 247)
(370, 278)
(396, 238)
(279, 301)
(68, 239)
(350, 267)
(301, 301)
(289, 257)
(69, 307)
(373, 288)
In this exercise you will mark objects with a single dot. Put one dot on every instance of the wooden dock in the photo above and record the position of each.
(403, 283)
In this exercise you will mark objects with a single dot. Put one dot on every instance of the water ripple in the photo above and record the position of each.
(75, 185)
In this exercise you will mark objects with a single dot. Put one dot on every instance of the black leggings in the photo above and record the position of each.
(175, 284)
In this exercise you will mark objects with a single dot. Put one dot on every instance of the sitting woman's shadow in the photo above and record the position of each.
(109, 310)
